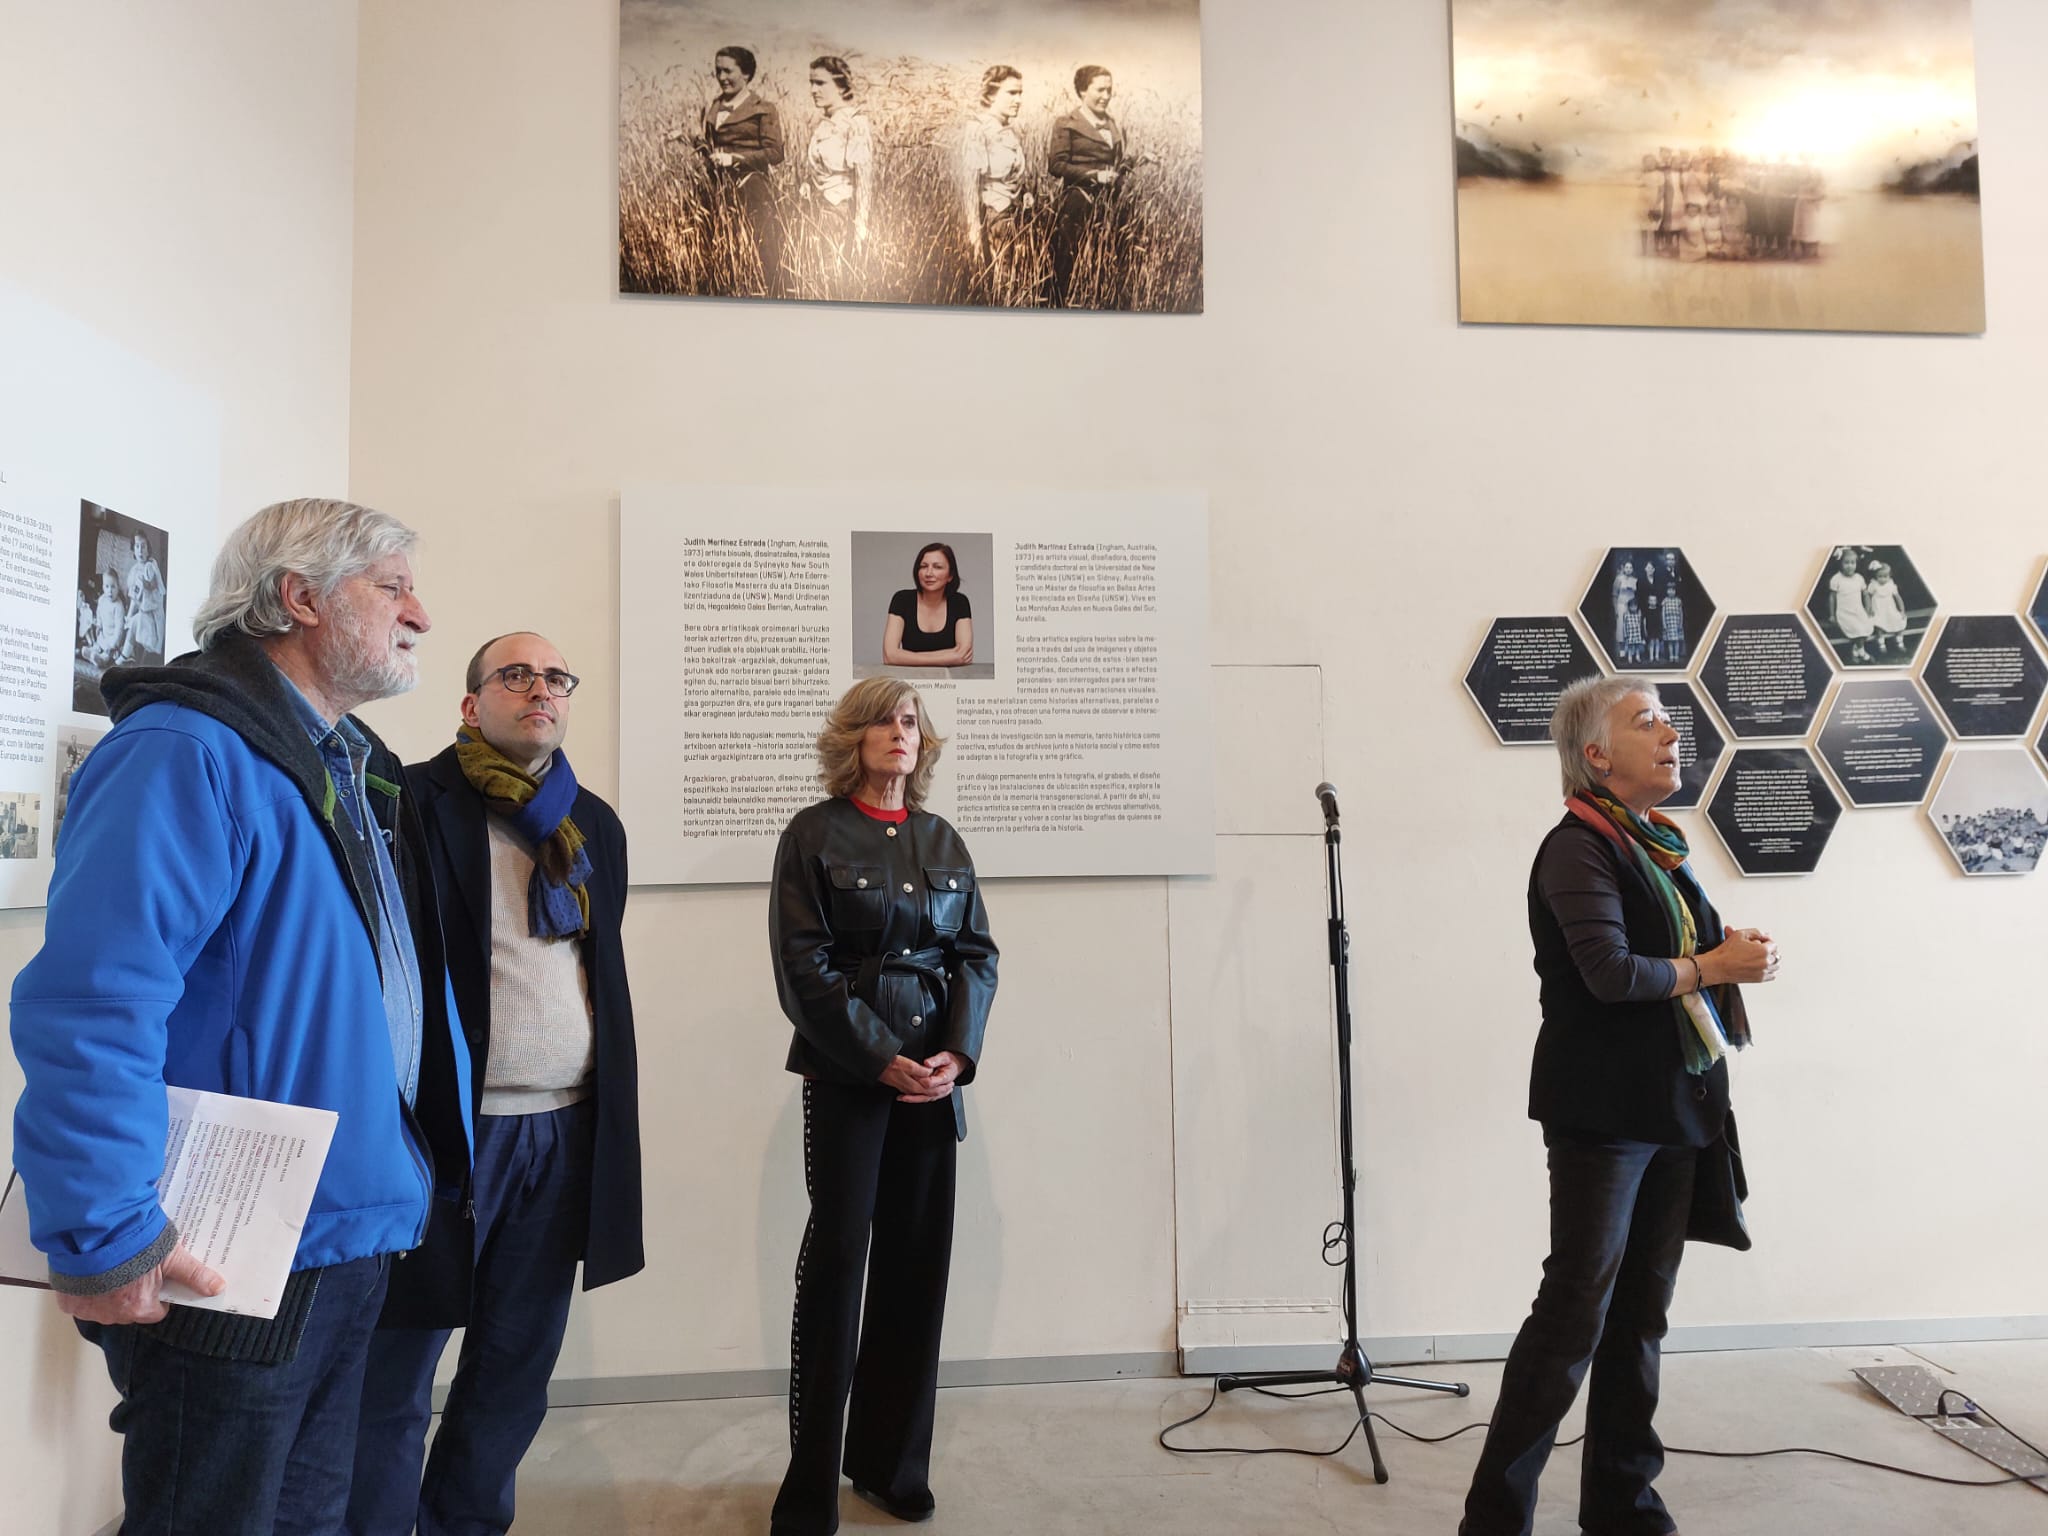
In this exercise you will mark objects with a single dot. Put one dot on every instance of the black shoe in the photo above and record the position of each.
(911, 1510)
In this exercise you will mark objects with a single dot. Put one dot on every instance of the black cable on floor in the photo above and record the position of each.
(1215, 1391)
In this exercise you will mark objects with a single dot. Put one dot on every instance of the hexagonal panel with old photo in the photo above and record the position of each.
(1646, 609)
(1871, 605)
(1774, 810)
(1883, 739)
(1985, 675)
(1765, 675)
(1992, 811)
(1521, 668)
(1700, 743)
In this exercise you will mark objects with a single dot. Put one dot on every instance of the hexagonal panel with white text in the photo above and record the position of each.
(1521, 668)
(1700, 743)
(1765, 674)
(1985, 675)
(1883, 739)
(1774, 810)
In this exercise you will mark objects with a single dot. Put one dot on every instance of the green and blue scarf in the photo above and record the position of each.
(1711, 1021)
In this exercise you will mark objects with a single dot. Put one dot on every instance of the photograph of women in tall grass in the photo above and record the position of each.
(1805, 165)
(1047, 155)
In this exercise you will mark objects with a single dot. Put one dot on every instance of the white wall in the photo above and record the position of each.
(1383, 484)
(179, 179)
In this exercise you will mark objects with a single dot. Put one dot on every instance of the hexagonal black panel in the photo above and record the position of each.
(1883, 739)
(1519, 672)
(1985, 675)
(2037, 610)
(1700, 743)
(1646, 609)
(1992, 811)
(1765, 675)
(1871, 605)
(1774, 810)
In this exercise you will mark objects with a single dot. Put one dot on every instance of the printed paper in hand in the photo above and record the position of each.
(238, 1179)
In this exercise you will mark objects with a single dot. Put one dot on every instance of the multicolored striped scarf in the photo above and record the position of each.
(1711, 1021)
(558, 894)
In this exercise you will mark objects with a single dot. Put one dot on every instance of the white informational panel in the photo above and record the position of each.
(109, 518)
(1077, 730)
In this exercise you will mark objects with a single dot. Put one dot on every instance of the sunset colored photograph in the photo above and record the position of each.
(1806, 165)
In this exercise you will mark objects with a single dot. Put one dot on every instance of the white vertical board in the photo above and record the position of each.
(1254, 1062)
(86, 428)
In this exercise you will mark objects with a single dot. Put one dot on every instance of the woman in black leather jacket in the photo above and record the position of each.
(884, 964)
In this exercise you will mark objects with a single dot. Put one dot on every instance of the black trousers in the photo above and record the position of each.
(1618, 1214)
(871, 1165)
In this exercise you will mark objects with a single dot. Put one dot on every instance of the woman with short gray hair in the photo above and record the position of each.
(1630, 1084)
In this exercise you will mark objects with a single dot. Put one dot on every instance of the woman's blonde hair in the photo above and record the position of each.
(865, 704)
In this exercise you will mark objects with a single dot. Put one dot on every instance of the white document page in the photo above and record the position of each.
(238, 1179)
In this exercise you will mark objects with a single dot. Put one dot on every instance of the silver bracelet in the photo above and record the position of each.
(1699, 979)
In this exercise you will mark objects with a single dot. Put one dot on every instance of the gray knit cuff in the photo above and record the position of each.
(125, 1274)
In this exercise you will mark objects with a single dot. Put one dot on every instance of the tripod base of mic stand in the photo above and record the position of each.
(1355, 1371)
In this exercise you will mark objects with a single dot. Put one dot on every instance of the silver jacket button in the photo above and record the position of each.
(906, 951)
(891, 831)
(916, 1018)
(952, 885)
(907, 887)
(862, 882)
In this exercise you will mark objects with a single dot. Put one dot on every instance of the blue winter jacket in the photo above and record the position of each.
(210, 925)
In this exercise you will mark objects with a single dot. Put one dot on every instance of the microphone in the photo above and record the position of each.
(1327, 793)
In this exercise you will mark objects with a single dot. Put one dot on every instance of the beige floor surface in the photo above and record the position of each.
(1080, 1458)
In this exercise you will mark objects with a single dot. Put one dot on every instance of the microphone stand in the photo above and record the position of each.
(1354, 1369)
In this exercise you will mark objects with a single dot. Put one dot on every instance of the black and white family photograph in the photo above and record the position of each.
(1646, 610)
(123, 571)
(897, 152)
(1992, 811)
(21, 826)
(1872, 607)
(914, 597)
(74, 745)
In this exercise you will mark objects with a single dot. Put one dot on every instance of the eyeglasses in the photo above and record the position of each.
(519, 678)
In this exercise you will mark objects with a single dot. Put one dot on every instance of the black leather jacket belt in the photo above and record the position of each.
(880, 943)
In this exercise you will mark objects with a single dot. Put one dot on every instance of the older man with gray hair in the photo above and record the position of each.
(243, 903)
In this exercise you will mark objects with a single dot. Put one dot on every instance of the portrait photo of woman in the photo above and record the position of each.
(927, 627)
(931, 623)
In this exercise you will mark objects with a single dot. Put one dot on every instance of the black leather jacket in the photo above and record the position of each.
(880, 944)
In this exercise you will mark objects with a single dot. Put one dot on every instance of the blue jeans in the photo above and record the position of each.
(234, 1448)
(532, 1193)
(1618, 1214)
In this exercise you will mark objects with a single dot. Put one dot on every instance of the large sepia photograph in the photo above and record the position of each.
(1770, 164)
(889, 151)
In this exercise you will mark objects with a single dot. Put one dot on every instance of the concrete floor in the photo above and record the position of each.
(1080, 1458)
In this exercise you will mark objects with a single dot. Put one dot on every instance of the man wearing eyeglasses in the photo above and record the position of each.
(532, 874)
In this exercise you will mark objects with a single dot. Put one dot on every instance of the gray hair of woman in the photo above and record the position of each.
(865, 704)
(324, 541)
(1580, 721)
